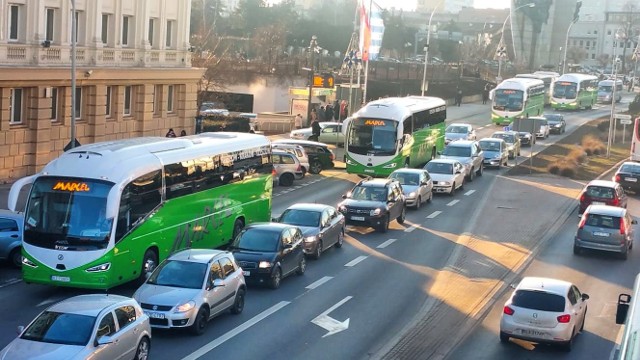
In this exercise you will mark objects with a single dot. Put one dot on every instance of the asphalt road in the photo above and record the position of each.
(379, 282)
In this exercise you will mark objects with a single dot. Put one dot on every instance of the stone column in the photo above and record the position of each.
(37, 147)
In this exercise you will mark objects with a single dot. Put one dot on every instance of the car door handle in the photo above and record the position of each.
(14, 236)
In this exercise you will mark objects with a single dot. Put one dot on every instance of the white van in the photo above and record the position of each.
(605, 91)
(296, 150)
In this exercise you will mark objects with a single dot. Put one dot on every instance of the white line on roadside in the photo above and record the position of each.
(355, 261)
(319, 282)
(469, 192)
(453, 202)
(386, 243)
(434, 214)
(411, 228)
(234, 332)
(10, 282)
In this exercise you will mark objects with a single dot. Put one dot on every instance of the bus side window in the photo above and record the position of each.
(138, 199)
(407, 125)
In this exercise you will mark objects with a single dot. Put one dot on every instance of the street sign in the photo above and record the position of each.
(622, 117)
(323, 81)
(625, 121)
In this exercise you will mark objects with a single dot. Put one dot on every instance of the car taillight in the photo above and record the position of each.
(583, 197)
(563, 319)
(582, 221)
(616, 178)
(615, 202)
(273, 172)
(299, 168)
(623, 228)
(331, 155)
(508, 311)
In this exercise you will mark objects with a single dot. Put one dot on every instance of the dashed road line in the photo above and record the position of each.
(434, 214)
(10, 282)
(469, 192)
(411, 228)
(386, 243)
(355, 261)
(319, 282)
(453, 202)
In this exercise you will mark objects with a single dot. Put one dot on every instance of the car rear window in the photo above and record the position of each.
(600, 192)
(603, 221)
(538, 300)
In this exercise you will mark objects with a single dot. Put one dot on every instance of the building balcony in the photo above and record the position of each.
(54, 56)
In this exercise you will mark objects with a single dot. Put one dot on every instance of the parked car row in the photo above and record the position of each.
(292, 159)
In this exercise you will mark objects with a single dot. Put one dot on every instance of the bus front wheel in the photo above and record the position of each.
(149, 263)
(237, 228)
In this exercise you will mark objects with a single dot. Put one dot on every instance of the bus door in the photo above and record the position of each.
(635, 141)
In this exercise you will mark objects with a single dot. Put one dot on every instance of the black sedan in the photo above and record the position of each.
(628, 175)
(556, 122)
(268, 252)
(322, 226)
(526, 138)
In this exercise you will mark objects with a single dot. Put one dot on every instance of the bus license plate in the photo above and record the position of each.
(246, 273)
(60, 278)
(357, 218)
(599, 233)
(154, 315)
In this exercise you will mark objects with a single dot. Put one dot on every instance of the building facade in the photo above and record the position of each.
(133, 71)
(450, 6)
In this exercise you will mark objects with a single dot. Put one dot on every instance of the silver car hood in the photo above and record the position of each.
(407, 189)
(309, 230)
(462, 159)
(20, 349)
(165, 295)
(441, 177)
(455, 136)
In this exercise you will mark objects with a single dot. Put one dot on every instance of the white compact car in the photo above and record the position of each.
(447, 175)
(544, 310)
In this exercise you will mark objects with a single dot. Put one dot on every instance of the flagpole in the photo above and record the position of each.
(366, 64)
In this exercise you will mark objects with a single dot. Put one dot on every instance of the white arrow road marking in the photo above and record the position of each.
(319, 282)
(355, 261)
(434, 214)
(232, 333)
(410, 229)
(453, 202)
(50, 300)
(469, 192)
(330, 324)
(386, 243)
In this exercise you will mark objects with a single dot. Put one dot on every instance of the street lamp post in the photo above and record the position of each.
(502, 49)
(566, 45)
(612, 119)
(312, 49)
(426, 48)
(74, 30)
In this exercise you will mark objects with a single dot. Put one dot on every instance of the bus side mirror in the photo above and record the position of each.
(623, 308)
(491, 95)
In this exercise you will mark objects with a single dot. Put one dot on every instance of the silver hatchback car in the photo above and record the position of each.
(191, 287)
(417, 185)
(606, 228)
(97, 326)
(287, 168)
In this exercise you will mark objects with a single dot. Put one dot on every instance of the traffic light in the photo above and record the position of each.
(576, 13)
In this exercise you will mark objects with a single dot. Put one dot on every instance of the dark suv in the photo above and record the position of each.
(375, 203)
(320, 156)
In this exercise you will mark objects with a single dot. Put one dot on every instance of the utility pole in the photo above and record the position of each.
(312, 50)
(74, 30)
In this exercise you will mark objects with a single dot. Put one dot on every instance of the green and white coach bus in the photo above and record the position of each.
(516, 97)
(574, 91)
(548, 78)
(391, 133)
(107, 213)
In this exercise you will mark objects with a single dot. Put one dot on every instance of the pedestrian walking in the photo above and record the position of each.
(328, 112)
(485, 93)
(336, 110)
(183, 133)
(315, 130)
(459, 97)
(170, 133)
(322, 114)
(297, 121)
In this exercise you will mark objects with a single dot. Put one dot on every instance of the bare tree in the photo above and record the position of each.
(603, 60)
(575, 54)
(630, 24)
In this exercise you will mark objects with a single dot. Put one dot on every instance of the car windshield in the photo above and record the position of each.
(60, 328)
(439, 168)
(261, 240)
(538, 300)
(510, 139)
(630, 168)
(301, 217)
(600, 192)
(369, 193)
(406, 178)
(177, 273)
(456, 129)
(458, 151)
(605, 88)
(490, 145)
(603, 221)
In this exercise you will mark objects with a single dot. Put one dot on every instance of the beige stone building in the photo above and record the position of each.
(134, 75)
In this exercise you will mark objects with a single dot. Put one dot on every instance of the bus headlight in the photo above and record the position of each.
(185, 307)
(349, 162)
(375, 212)
(99, 268)
(574, 103)
(264, 265)
(28, 263)
(390, 166)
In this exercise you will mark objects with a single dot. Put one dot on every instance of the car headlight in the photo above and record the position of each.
(445, 183)
(264, 264)
(99, 268)
(497, 157)
(411, 194)
(390, 166)
(28, 263)
(185, 307)
(375, 212)
(310, 239)
(342, 209)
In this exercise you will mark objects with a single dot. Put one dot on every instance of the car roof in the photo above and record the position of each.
(408, 171)
(270, 226)
(90, 305)
(446, 161)
(11, 214)
(309, 206)
(491, 140)
(376, 182)
(461, 143)
(606, 210)
(603, 183)
(555, 286)
(500, 132)
(282, 152)
(460, 124)
(299, 142)
(196, 255)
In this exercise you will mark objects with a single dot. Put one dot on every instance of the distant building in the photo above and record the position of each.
(134, 75)
(450, 6)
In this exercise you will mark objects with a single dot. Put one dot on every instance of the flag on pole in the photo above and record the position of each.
(636, 53)
(501, 51)
(371, 29)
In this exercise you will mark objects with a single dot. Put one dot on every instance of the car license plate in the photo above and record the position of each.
(631, 179)
(357, 218)
(600, 233)
(246, 273)
(154, 315)
(597, 203)
(60, 278)
(532, 332)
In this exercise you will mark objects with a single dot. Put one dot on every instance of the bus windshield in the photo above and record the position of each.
(372, 136)
(68, 214)
(565, 90)
(508, 100)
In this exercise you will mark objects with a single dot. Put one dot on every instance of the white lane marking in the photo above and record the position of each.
(355, 261)
(453, 202)
(10, 282)
(434, 214)
(234, 332)
(319, 282)
(410, 229)
(330, 324)
(386, 243)
(469, 192)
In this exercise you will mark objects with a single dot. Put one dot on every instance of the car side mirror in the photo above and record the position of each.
(634, 222)
(275, 220)
(20, 329)
(622, 308)
(585, 297)
(105, 340)
(218, 283)
(288, 246)
(344, 196)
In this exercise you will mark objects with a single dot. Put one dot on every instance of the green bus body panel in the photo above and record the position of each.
(585, 98)
(419, 151)
(534, 106)
(202, 220)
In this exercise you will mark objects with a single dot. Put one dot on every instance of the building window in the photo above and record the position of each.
(50, 24)
(157, 99)
(125, 30)
(580, 42)
(14, 22)
(78, 19)
(593, 56)
(595, 32)
(170, 96)
(169, 42)
(151, 29)
(608, 32)
(106, 18)
(54, 104)
(78, 113)
(16, 106)
(594, 44)
(127, 100)
(107, 110)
